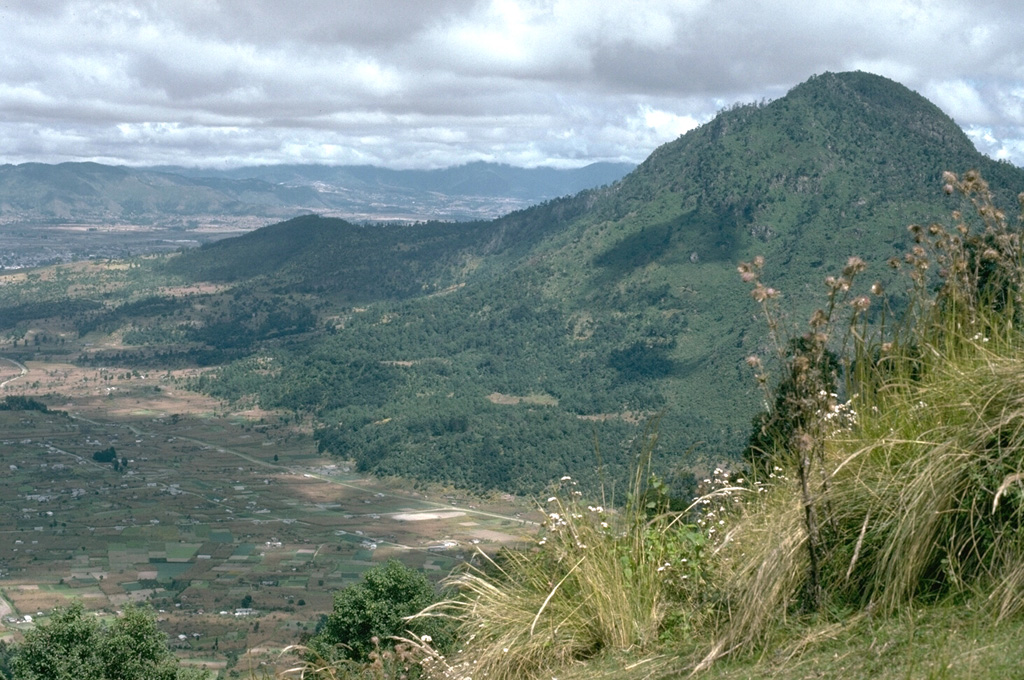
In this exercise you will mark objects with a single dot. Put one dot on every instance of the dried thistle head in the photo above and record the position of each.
(803, 442)
(818, 319)
(854, 266)
(748, 271)
(762, 293)
(801, 363)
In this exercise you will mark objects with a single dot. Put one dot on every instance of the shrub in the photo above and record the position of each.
(74, 646)
(369, 614)
(105, 456)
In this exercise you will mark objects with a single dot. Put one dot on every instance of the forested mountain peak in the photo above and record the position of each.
(493, 353)
(623, 301)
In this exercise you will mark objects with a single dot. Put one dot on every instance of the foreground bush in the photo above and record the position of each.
(368, 615)
(72, 645)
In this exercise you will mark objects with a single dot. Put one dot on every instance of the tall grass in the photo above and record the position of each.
(920, 494)
(597, 580)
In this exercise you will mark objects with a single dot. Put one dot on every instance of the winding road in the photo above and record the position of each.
(17, 364)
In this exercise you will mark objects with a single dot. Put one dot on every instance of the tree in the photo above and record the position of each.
(135, 649)
(810, 370)
(105, 456)
(377, 607)
(65, 648)
(74, 646)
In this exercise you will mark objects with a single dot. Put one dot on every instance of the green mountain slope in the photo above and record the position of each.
(585, 315)
(359, 263)
(495, 354)
(366, 263)
(838, 167)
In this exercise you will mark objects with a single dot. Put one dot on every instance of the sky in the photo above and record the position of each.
(428, 84)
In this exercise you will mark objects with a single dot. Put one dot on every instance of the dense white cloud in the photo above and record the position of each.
(406, 83)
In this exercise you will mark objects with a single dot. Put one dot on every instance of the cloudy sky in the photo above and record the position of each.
(417, 83)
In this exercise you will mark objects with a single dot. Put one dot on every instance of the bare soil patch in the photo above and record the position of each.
(423, 516)
(511, 400)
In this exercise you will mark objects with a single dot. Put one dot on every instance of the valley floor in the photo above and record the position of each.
(231, 524)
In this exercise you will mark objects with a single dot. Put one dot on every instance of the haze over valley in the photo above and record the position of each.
(74, 211)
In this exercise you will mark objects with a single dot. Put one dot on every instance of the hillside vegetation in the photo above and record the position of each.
(854, 386)
(505, 354)
(587, 315)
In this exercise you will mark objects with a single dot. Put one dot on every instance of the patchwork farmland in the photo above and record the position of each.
(232, 526)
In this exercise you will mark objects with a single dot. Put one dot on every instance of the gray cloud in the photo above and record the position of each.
(406, 83)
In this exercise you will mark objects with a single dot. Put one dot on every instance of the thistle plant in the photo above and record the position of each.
(792, 432)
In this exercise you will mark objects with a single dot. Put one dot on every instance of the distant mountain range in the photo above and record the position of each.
(90, 193)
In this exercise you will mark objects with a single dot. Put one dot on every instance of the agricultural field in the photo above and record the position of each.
(230, 524)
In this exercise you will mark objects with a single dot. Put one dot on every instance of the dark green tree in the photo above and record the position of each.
(107, 455)
(135, 649)
(377, 607)
(809, 370)
(74, 646)
(65, 648)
